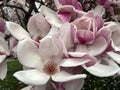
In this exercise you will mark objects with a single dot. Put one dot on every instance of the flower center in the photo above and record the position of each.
(50, 68)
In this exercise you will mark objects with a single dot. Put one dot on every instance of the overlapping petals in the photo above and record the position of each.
(4, 51)
(58, 45)
(45, 60)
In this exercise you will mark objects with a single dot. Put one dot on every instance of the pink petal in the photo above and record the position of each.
(32, 77)
(74, 3)
(38, 26)
(85, 36)
(69, 13)
(17, 31)
(96, 48)
(3, 70)
(64, 76)
(28, 54)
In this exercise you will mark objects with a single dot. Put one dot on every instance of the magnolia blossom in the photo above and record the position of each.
(46, 57)
(45, 63)
(90, 36)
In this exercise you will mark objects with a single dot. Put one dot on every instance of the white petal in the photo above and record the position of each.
(2, 58)
(28, 88)
(28, 54)
(99, 10)
(64, 76)
(65, 34)
(4, 46)
(57, 3)
(51, 16)
(17, 31)
(103, 70)
(50, 47)
(114, 56)
(73, 62)
(38, 26)
(74, 85)
(32, 77)
(3, 70)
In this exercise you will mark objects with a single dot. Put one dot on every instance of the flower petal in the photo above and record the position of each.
(2, 58)
(68, 13)
(107, 69)
(17, 31)
(4, 46)
(30, 87)
(38, 26)
(64, 76)
(28, 54)
(85, 36)
(114, 56)
(74, 3)
(51, 16)
(32, 77)
(3, 70)
(77, 59)
(99, 10)
(65, 34)
(74, 84)
(51, 47)
(96, 48)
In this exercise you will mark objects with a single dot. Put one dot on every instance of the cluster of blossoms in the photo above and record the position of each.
(59, 45)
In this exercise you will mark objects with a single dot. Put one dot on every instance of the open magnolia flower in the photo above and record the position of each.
(45, 62)
(91, 36)
(45, 59)
(59, 44)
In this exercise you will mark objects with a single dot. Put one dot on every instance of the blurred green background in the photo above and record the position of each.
(91, 82)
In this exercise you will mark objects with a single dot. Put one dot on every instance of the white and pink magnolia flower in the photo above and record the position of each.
(46, 57)
(45, 62)
(90, 36)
